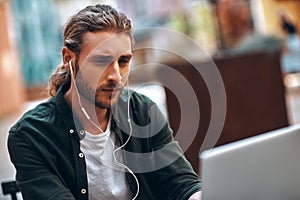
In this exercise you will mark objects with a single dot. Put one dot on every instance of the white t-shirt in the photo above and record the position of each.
(106, 181)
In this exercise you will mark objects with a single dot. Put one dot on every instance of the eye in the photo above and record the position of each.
(103, 62)
(124, 61)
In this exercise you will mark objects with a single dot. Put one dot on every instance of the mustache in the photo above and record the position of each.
(111, 86)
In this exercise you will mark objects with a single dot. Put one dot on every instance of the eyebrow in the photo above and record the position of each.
(107, 57)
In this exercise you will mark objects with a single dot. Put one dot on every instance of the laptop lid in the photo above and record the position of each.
(263, 167)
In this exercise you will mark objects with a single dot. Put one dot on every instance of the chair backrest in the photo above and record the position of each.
(10, 188)
(254, 93)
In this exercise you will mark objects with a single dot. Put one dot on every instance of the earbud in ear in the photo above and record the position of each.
(71, 68)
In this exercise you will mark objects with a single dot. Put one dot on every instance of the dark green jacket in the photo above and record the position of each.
(44, 146)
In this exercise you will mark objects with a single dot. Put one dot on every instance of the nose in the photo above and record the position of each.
(114, 72)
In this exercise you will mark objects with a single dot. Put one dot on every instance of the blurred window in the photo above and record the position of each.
(38, 37)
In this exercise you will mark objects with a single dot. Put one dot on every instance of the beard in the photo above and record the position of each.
(104, 96)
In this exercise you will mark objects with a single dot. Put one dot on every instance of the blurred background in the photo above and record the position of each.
(254, 43)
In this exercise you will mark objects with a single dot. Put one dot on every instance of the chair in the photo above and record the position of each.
(11, 188)
(255, 98)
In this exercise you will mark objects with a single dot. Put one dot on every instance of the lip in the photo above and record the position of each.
(111, 90)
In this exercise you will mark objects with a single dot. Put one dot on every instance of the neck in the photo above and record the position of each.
(97, 116)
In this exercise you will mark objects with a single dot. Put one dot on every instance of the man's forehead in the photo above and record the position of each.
(107, 43)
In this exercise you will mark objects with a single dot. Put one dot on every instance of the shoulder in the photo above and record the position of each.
(136, 98)
(36, 116)
(146, 112)
(140, 103)
(141, 108)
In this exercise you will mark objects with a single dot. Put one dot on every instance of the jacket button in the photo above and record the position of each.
(81, 155)
(82, 132)
(71, 131)
(83, 191)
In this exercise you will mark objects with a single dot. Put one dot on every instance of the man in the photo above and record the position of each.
(93, 139)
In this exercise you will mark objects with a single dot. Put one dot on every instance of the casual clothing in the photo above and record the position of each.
(44, 146)
(105, 179)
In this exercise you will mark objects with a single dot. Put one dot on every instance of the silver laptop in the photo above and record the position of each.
(263, 167)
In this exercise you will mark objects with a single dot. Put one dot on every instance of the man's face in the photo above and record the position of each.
(104, 65)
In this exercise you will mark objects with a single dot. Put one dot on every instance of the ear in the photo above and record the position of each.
(67, 56)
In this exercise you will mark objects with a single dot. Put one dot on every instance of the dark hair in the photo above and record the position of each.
(90, 19)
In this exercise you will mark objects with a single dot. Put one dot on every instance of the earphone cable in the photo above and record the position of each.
(116, 162)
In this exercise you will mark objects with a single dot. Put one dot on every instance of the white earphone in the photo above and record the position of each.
(117, 163)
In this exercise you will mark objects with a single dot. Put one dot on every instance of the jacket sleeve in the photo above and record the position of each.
(155, 157)
(33, 175)
(175, 175)
(171, 176)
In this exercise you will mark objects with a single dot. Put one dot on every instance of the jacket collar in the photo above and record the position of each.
(71, 122)
(119, 114)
